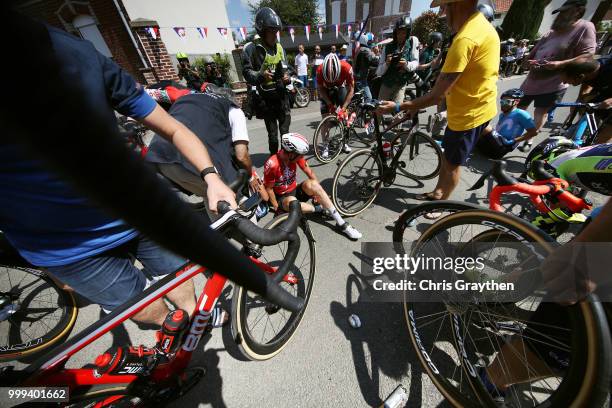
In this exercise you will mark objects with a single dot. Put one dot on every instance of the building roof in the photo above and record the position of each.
(502, 6)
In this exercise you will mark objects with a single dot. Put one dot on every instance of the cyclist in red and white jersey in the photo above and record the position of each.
(336, 87)
(280, 180)
(335, 83)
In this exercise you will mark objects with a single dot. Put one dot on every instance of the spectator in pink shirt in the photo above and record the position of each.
(569, 39)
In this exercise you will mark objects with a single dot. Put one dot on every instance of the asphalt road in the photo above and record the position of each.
(327, 363)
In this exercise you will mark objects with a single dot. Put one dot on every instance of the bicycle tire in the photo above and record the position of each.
(257, 350)
(328, 122)
(410, 215)
(34, 285)
(305, 94)
(418, 141)
(339, 202)
(586, 386)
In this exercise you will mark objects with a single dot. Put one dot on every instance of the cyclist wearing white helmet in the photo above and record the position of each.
(335, 84)
(280, 175)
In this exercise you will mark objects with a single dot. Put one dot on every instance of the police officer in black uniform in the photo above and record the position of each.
(264, 67)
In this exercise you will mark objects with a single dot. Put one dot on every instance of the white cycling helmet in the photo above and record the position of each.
(331, 68)
(295, 143)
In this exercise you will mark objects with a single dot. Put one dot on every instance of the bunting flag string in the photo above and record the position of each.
(180, 31)
(292, 33)
(223, 32)
(203, 32)
(244, 31)
(153, 32)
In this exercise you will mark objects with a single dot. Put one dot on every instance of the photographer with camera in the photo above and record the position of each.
(264, 67)
(398, 61)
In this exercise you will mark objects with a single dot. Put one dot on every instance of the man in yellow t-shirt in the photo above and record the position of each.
(468, 81)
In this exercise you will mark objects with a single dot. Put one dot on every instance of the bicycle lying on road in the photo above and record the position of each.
(143, 376)
(361, 175)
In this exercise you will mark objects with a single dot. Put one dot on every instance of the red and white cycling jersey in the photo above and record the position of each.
(345, 79)
(281, 176)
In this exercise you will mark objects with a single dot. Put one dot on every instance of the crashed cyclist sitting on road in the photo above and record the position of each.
(514, 126)
(280, 174)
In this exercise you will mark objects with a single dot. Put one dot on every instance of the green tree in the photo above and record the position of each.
(516, 24)
(427, 23)
(291, 12)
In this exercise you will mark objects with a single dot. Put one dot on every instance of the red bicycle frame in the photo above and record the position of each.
(556, 186)
(50, 370)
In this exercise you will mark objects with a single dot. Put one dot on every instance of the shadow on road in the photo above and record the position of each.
(381, 345)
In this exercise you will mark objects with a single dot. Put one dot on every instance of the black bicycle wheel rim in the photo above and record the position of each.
(259, 350)
(422, 157)
(36, 286)
(335, 142)
(362, 183)
(588, 337)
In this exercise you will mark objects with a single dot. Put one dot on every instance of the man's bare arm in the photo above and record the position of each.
(444, 83)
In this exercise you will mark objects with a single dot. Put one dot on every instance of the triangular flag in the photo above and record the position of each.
(321, 33)
(292, 34)
(180, 31)
(337, 29)
(203, 31)
(222, 32)
(243, 33)
(307, 32)
(152, 32)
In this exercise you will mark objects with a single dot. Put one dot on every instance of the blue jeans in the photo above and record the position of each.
(366, 89)
(111, 279)
(304, 79)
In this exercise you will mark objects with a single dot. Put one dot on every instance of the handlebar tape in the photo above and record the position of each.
(112, 176)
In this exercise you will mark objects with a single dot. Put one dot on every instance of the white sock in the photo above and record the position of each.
(336, 216)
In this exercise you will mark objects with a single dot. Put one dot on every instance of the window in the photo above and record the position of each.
(351, 10)
(335, 12)
(88, 30)
(392, 7)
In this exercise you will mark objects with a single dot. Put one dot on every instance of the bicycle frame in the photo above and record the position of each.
(49, 370)
(587, 120)
(395, 156)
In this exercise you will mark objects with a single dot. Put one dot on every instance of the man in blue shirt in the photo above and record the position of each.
(514, 126)
(54, 227)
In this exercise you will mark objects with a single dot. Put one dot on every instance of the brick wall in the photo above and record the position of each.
(155, 49)
(109, 22)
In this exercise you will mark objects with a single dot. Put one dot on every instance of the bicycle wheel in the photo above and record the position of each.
(302, 97)
(357, 182)
(460, 339)
(262, 329)
(413, 222)
(328, 139)
(34, 312)
(421, 158)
